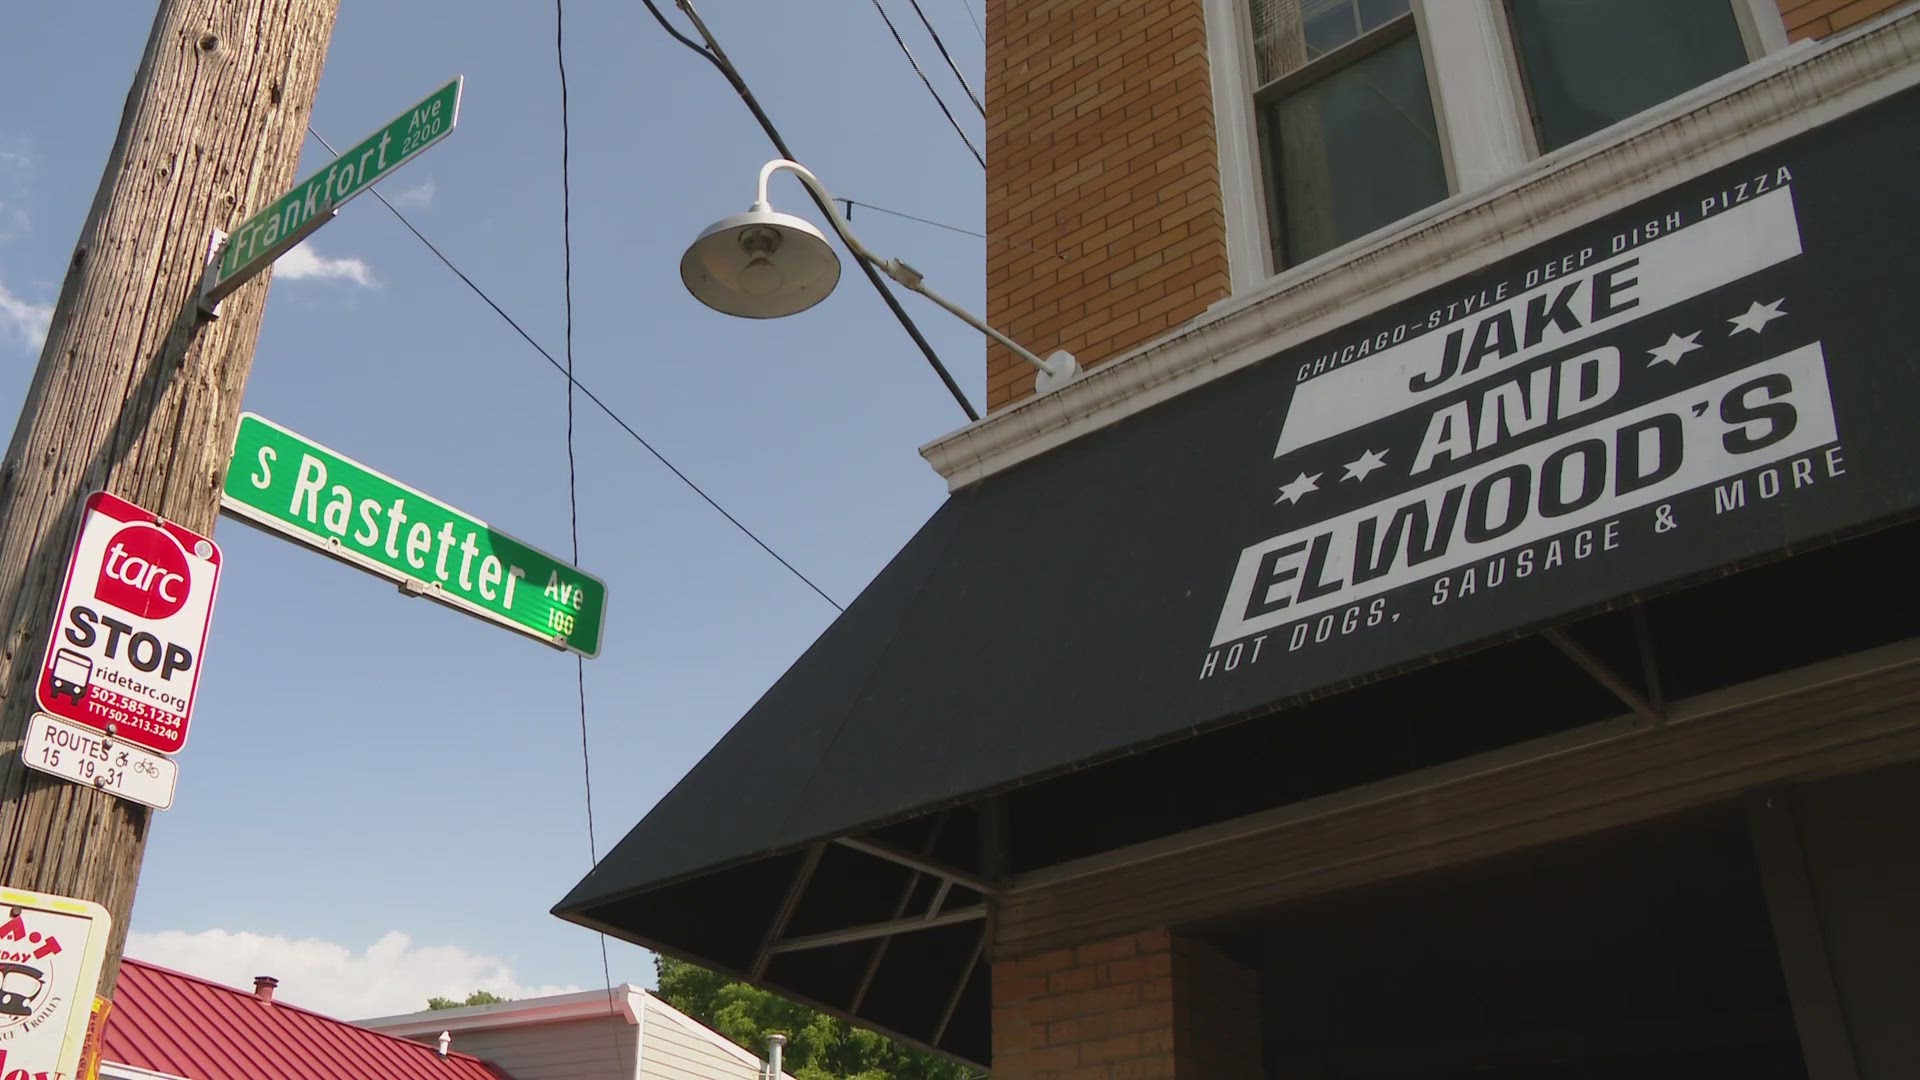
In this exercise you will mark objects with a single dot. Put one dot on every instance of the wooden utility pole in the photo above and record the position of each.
(135, 392)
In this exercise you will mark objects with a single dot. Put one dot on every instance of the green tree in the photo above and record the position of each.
(819, 1047)
(478, 997)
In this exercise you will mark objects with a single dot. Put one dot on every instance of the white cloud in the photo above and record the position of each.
(16, 161)
(420, 194)
(392, 976)
(22, 319)
(305, 264)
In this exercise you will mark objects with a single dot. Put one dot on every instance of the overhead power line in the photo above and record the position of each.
(968, 4)
(713, 54)
(851, 203)
(586, 391)
(928, 83)
(573, 481)
(948, 57)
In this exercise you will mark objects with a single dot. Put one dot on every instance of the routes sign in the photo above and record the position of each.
(51, 951)
(90, 758)
(124, 654)
(288, 484)
(271, 232)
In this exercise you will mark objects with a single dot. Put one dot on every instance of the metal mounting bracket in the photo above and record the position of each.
(217, 243)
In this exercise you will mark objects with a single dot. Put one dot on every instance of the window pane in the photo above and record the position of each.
(1288, 34)
(1329, 25)
(1375, 13)
(1352, 152)
(1590, 63)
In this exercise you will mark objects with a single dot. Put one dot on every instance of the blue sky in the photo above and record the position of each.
(380, 797)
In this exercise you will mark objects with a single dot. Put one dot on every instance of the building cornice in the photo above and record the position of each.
(619, 1003)
(1744, 112)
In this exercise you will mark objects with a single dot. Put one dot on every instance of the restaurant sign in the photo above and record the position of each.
(1513, 441)
(1714, 375)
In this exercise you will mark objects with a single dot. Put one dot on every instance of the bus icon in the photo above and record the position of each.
(20, 986)
(72, 674)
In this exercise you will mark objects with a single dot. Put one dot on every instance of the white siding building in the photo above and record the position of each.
(625, 1034)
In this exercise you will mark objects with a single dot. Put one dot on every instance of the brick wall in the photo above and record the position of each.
(1145, 1006)
(1101, 150)
(1818, 18)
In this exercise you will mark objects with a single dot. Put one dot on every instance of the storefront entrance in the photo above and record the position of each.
(1640, 953)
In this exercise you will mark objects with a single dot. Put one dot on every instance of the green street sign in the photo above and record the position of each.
(272, 232)
(288, 484)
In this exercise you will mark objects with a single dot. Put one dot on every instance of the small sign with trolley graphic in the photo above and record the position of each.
(51, 952)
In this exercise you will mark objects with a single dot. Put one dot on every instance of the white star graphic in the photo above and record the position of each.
(1674, 348)
(1757, 316)
(1360, 467)
(1301, 485)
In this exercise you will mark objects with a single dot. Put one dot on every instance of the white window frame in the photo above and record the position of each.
(1479, 103)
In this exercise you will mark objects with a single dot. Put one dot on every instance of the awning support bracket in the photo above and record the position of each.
(1602, 674)
(801, 878)
(1649, 662)
(899, 909)
(959, 989)
(889, 928)
(939, 898)
(916, 862)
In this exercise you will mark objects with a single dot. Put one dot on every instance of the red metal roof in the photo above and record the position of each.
(170, 1022)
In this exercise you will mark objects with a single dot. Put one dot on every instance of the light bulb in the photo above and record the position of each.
(761, 278)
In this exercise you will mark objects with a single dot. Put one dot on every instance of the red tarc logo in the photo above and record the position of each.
(145, 572)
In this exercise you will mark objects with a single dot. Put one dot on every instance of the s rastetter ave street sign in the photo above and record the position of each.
(291, 485)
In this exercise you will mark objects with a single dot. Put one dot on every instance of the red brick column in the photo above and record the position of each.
(1100, 151)
(1818, 18)
(1147, 1006)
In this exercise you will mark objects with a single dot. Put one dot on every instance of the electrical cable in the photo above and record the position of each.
(968, 4)
(566, 284)
(713, 54)
(944, 55)
(950, 228)
(573, 483)
(587, 391)
(928, 83)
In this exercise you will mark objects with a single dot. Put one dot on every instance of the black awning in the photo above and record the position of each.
(1617, 413)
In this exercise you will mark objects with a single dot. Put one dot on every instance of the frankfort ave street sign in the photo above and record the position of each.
(273, 231)
(285, 483)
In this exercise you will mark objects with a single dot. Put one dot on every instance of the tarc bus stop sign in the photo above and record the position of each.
(124, 654)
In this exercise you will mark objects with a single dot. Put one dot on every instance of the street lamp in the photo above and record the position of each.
(764, 264)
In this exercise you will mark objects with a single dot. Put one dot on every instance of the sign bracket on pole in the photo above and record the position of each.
(210, 308)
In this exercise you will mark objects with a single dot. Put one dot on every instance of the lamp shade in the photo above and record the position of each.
(760, 265)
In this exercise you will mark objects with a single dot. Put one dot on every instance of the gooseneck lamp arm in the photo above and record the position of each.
(1053, 371)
